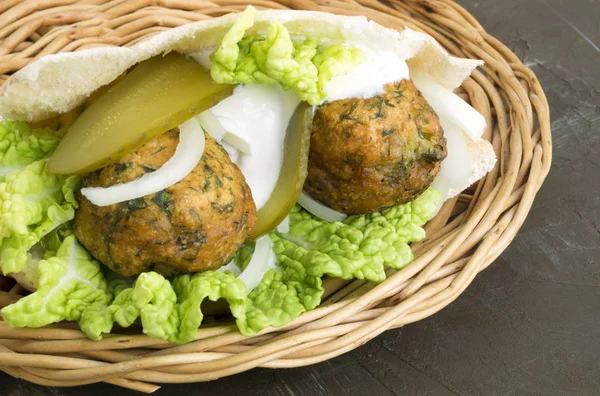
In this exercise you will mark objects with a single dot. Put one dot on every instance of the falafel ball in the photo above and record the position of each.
(194, 225)
(370, 154)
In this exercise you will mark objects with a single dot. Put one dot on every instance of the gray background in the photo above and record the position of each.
(528, 325)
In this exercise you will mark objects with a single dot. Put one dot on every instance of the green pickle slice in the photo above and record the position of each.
(293, 172)
(157, 95)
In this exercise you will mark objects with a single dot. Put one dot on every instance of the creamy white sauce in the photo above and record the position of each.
(257, 114)
(368, 79)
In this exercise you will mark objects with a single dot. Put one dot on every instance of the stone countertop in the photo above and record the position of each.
(528, 325)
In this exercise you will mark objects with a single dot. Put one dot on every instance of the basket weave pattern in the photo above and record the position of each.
(470, 231)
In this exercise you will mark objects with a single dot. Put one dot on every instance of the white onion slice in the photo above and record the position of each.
(455, 169)
(231, 267)
(186, 157)
(447, 104)
(239, 141)
(318, 209)
(263, 259)
(211, 125)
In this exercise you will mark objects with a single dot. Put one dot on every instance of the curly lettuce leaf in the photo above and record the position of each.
(275, 58)
(95, 319)
(152, 298)
(193, 289)
(25, 196)
(361, 246)
(33, 203)
(93, 322)
(21, 145)
(228, 52)
(169, 310)
(281, 297)
(69, 283)
(14, 250)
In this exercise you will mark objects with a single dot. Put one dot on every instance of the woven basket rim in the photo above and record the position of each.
(468, 234)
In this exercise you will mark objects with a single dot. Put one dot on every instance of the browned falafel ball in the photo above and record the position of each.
(370, 154)
(194, 225)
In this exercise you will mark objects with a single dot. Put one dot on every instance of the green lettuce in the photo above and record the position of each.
(169, 310)
(14, 251)
(275, 58)
(95, 319)
(69, 283)
(361, 246)
(25, 196)
(192, 290)
(33, 203)
(281, 297)
(21, 145)
(152, 298)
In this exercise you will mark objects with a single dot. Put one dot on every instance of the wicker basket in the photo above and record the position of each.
(468, 234)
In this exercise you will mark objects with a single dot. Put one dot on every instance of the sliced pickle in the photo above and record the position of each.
(157, 95)
(293, 173)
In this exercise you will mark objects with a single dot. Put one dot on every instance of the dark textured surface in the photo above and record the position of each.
(530, 323)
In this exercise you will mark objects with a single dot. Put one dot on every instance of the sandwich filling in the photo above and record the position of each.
(245, 171)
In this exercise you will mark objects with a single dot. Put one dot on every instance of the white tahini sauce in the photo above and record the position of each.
(257, 114)
(368, 79)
